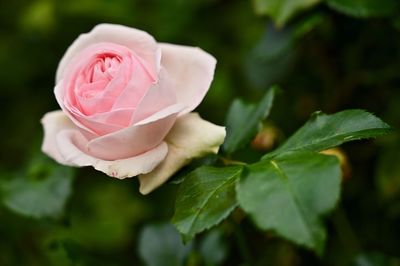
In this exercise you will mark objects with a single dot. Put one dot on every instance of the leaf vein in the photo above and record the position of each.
(306, 223)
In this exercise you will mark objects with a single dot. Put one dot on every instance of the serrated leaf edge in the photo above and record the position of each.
(188, 236)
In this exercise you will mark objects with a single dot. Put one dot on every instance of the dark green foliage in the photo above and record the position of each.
(290, 193)
(282, 10)
(243, 121)
(161, 245)
(206, 197)
(39, 192)
(323, 131)
(366, 8)
(328, 55)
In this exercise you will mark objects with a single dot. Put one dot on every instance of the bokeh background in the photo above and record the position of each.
(323, 57)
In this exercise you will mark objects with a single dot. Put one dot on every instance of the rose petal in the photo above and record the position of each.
(158, 97)
(191, 69)
(138, 41)
(140, 164)
(136, 87)
(81, 89)
(80, 120)
(118, 117)
(63, 142)
(135, 139)
(52, 123)
(190, 137)
(68, 142)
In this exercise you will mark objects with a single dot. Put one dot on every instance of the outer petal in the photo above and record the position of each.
(52, 123)
(158, 97)
(191, 69)
(64, 142)
(189, 138)
(136, 139)
(138, 41)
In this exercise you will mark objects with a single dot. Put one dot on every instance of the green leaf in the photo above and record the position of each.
(323, 131)
(271, 57)
(375, 259)
(205, 198)
(40, 192)
(161, 245)
(365, 8)
(387, 176)
(213, 249)
(243, 120)
(95, 220)
(282, 11)
(290, 193)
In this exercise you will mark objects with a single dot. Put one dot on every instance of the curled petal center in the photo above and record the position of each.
(98, 74)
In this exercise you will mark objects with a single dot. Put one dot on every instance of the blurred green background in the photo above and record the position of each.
(325, 55)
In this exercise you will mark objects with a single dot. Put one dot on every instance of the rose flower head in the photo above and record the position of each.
(126, 105)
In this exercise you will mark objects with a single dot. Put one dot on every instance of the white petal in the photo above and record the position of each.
(54, 122)
(190, 137)
(191, 69)
(65, 143)
(140, 164)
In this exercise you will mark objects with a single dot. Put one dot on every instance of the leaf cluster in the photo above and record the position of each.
(288, 190)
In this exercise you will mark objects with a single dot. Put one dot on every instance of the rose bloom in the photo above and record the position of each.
(126, 105)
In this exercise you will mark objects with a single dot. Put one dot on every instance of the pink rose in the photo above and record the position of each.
(126, 103)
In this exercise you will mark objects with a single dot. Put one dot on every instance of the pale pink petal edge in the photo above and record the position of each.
(191, 69)
(61, 141)
(137, 40)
